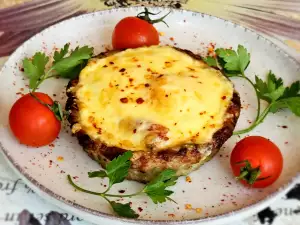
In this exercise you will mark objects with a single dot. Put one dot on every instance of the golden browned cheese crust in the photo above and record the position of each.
(146, 164)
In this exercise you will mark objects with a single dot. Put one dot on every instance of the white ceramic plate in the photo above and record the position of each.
(213, 187)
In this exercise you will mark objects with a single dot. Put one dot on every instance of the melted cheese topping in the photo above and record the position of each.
(151, 98)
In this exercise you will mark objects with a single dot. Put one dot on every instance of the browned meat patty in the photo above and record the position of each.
(146, 164)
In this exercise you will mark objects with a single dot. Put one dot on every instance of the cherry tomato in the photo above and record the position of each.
(133, 32)
(32, 123)
(256, 161)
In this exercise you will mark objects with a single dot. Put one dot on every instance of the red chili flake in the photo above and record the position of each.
(148, 69)
(111, 63)
(52, 145)
(134, 59)
(76, 177)
(122, 70)
(140, 209)
(171, 39)
(21, 69)
(160, 76)
(212, 117)
(105, 66)
(50, 163)
(175, 43)
(54, 95)
(122, 90)
(286, 142)
(229, 183)
(62, 171)
(209, 178)
(139, 66)
(134, 131)
(20, 93)
(139, 101)
(122, 191)
(212, 125)
(222, 200)
(223, 97)
(130, 79)
(147, 85)
(124, 100)
(175, 124)
(166, 96)
(191, 69)
(284, 126)
(171, 215)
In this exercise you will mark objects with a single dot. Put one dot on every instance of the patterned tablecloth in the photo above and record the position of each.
(20, 19)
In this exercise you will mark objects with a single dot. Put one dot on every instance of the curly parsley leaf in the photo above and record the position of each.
(123, 210)
(292, 91)
(65, 66)
(156, 189)
(211, 61)
(58, 55)
(271, 90)
(278, 97)
(35, 69)
(116, 171)
(118, 168)
(233, 62)
(292, 104)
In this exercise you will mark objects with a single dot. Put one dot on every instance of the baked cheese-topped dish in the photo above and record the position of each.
(164, 104)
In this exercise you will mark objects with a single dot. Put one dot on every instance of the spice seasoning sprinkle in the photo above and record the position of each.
(188, 179)
(111, 63)
(122, 70)
(188, 206)
(124, 100)
(60, 158)
(139, 101)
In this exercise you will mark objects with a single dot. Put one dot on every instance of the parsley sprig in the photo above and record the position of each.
(234, 63)
(117, 171)
(65, 64)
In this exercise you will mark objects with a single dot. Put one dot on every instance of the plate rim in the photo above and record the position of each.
(75, 208)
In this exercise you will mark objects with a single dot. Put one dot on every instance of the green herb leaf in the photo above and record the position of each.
(234, 62)
(292, 91)
(58, 55)
(156, 189)
(57, 110)
(211, 61)
(244, 58)
(118, 168)
(66, 66)
(124, 210)
(271, 90)
(34, 69)
(100, 173)
(292, 103)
